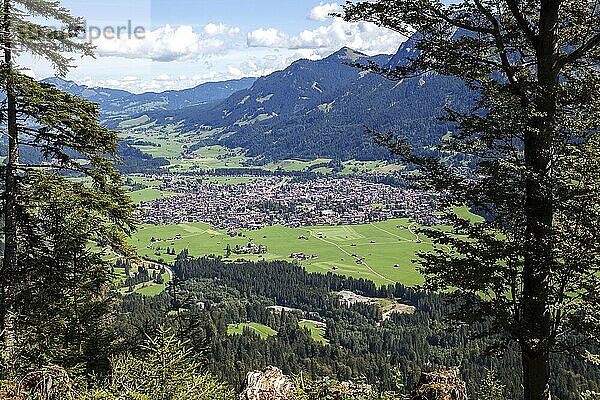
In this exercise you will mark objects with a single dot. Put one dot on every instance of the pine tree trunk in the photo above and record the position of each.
(10, 264)
(10, 233)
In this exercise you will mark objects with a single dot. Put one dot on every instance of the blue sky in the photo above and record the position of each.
(188, 42)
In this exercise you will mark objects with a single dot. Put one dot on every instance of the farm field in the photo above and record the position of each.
(317, 334)
(382, 252)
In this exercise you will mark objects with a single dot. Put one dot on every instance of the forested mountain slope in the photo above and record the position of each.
(321, 109)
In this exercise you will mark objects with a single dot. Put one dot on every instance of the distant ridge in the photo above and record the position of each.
(119, 104)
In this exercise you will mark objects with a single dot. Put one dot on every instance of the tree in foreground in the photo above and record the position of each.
(49, 222)
(532, 141)
(165, 368)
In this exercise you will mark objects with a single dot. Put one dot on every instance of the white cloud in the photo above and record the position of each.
(169, 43)
(221, 29)
(268, 38)
(322, 11)
(234, 71)
(362, 36)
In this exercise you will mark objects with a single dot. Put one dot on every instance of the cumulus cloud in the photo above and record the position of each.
(169, 43)
(164, 81)
(268, 38)
(221, 29)
(362, 36)
(323, 10)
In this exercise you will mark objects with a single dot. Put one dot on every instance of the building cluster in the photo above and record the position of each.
(281, 200)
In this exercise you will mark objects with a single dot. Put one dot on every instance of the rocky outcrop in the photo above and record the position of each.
(268, 384)
(272, 384)
(440, 385)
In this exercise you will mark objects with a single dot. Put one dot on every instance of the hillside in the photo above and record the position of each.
(321, 108)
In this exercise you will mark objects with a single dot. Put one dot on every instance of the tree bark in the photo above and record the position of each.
(536, 375)
(536, 315)
(10, 261)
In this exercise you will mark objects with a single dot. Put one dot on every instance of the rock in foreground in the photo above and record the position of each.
(440, 385)
(268, 384)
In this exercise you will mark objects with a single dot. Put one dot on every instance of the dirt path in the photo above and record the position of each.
(393, 234)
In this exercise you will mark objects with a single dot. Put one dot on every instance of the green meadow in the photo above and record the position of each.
(148, 289)
(317, 334)
(382, 252)
(150, 194)
(262, 330)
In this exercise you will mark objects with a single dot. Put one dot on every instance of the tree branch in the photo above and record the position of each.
(460, 24)
(497, 34)
(522, 22)
(579, 52)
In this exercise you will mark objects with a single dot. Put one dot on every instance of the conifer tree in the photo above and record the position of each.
(64, 310)
(533, 147)
(59, 127)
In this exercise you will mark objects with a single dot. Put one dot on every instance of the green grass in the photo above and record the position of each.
(148, 289)
(262, 330)
(134, 122)
(153, 289)
(294, 165)
(465, 213)
(146, 195)
(317, 334)
(388, 247)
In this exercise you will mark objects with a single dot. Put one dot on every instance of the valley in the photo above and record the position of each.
(358, 221)
(202, 188)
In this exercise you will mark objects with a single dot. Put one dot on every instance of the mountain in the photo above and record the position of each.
(118, 105)
(299, 88)
(321, 109)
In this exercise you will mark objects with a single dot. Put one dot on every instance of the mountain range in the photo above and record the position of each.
(310, 109)
(117, 105)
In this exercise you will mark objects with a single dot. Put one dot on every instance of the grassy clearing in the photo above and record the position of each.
(262, 330)
(148, 289)
(465, 213)
(317, 334)
(385, 249)
(153, 289)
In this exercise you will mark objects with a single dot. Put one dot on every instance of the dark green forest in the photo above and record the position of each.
(361, 346)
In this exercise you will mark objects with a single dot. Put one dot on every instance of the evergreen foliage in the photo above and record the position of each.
(210, 294)
(54, 283)
(532, 142)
